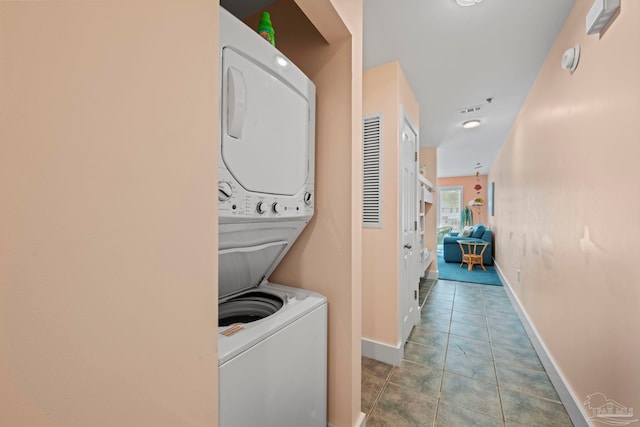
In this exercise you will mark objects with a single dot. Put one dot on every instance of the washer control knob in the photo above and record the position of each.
(260, 208)
(307, 198)
(224, 191)
(277, 207)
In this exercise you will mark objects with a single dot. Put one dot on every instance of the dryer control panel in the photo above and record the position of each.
(236, 202)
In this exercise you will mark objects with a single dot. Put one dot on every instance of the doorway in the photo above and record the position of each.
(409, 251)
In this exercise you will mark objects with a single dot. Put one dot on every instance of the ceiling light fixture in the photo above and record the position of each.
(467, 2)
(470, 124)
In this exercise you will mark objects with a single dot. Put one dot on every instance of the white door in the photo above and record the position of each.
(409, 252)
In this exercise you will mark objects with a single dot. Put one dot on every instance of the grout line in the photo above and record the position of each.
(384, 385)
(475, 411)
(444, 363)
(502, 418)
(511, 364)
(498, 315)
(438, 398)
(495, 370)
(483, 298)
(533, 395)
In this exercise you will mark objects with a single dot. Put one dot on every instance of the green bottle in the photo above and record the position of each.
(265, 29)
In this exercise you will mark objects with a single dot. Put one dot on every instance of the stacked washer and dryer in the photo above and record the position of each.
(272, 339)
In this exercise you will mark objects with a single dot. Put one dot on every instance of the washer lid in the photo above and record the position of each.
(265, 126)
(246, 267)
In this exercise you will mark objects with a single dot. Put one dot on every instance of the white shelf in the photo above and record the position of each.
(426, 190)
(428, 197)
(424, 181)
(426, 258)
(425, 195)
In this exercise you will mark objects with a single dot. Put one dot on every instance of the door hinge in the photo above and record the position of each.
(415, 225)
(416, 153)
(415, 294)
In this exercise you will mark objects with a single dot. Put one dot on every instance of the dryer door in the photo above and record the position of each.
(265, 127)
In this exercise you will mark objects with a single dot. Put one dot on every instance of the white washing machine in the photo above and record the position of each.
(272, 339)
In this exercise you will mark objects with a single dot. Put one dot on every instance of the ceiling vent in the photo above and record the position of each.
(469, 110)
(467, 2)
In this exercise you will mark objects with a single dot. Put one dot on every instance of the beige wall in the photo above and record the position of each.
(469, 193)
(109, 278)
(567, 210)
(327, 256)
(385, 89)
(108, 284)
(379, 255)
(429, 158)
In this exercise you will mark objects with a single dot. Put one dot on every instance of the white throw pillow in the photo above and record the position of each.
(466, 232)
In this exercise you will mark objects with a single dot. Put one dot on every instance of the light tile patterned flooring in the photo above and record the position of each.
(468, 363)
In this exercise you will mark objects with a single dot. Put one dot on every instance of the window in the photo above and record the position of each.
(450, 207)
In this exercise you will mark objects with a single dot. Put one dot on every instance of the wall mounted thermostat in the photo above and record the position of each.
(570, 58)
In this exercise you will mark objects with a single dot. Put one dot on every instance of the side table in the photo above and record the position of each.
(470, 256)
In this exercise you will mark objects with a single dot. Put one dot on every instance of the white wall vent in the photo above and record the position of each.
(468, 110)
(372, 172)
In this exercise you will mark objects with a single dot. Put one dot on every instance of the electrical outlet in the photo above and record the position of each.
(518, 275)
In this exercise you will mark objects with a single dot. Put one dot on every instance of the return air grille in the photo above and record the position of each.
(468, 110)
(372, 172)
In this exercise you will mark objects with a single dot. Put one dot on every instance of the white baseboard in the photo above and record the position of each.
(571, 403)
(383, 352)
(433, 275)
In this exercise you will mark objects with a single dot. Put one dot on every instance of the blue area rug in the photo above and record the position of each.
(453, 271)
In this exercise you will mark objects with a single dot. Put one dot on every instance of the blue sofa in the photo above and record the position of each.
(451, 248)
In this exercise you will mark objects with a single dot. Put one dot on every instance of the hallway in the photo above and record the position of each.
(469, 363)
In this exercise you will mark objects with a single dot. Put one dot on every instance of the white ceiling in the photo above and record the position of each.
(456, 57)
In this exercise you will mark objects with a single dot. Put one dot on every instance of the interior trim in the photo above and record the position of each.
(382, 352)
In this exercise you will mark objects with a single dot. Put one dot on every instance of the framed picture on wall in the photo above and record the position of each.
(491, 192)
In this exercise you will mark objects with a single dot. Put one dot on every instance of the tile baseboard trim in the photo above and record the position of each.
(382, 352)
(569, 400)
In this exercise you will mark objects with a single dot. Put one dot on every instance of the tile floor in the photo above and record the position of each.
(469, 363)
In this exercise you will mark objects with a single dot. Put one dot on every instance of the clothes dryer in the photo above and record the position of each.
(267, 141)
(271, 338)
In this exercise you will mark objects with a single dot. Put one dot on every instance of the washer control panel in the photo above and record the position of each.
(235, 201)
